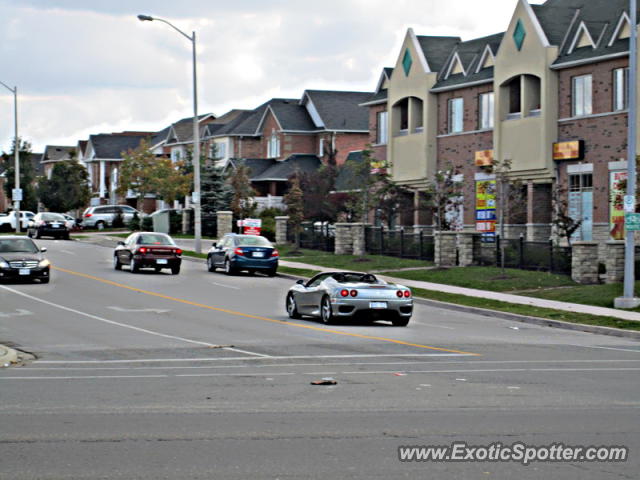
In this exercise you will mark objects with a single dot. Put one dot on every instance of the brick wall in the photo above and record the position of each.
(379, 151)
(349, 142)
(605, 137)
(470, 97)
(297, 143)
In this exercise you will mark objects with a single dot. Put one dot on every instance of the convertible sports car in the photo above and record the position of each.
(341, 295)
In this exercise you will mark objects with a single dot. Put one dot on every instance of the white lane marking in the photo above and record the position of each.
(225, 286)
(281, 357)
(68, 251)
(233, 349)
(272, 374)
(461, 379)
(18, 313)
(110, 322)
(607, 348)
(433, 325)
(138, 310)
(513, 388)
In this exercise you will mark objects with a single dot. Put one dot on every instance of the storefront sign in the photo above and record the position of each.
(484, 158)
(486, 208)
(250, 226)
(568, 150)
(617, 190)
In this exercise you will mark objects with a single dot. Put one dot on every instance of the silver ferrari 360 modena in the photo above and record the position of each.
(342, 295)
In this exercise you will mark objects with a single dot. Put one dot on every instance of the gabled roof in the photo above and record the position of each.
(256, 166)
(340, 110)
(160, 137)
(57, 153)
(244, 124)
(470, 54)
(351, 175)
(380, 95)
(111, 145)
(290, 115)
(437, 50)
(182, 130)
(282, 171)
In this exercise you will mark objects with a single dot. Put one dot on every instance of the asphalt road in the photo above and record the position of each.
(202, 375)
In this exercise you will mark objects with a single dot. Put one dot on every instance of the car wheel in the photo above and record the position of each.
(29, 234)
(292, 307)
(210, 265)
(228, 269)
(325, 311)
(175, 270)
(401, 321)
(37, 234)
(116, 263)
(100, 225)
(134, 266)
(65, 236)
(272, 272)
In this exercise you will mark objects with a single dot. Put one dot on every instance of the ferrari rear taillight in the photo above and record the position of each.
(407, 294)
(354, 293)
(399, 294)
(344, 293)
(239, 251)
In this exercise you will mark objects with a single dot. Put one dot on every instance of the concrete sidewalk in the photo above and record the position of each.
(501, 297)
(7, 356)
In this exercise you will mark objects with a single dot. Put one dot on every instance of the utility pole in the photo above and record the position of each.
(17, 192)
(629, 300)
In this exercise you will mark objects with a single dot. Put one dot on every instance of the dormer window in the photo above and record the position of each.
(582, 39)
(622, 30)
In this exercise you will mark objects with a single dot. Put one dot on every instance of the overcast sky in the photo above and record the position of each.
(85, 67)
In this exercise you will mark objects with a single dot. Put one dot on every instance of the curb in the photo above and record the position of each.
(7, 356)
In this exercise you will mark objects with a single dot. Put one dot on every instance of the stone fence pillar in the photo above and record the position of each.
(344, 239)
(615, 261)
(358, 232)
(445, 249)
(584, 262)
(468, 248)
(225, 223)
(281, 230)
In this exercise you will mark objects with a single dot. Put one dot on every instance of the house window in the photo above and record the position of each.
(456, 110)
(381, 128)
(485, 112)
(581, 95)
(321, 148)
(620, 89)
(175, 156)
(273, 146)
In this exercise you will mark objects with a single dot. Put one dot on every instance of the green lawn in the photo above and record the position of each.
(488, 278)
(598, 295)
(348, 262)
(300, 272)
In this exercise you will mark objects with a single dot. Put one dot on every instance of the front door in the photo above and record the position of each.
(581, 205)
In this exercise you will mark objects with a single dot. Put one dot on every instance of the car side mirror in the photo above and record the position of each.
(43, 249)
(121, 243)
(300, 282)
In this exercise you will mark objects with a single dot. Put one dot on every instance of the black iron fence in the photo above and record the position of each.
(398, 243)
(518, 253)
(316, 236)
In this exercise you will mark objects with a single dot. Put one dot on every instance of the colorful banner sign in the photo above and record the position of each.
(250, 226)
(632, 222)
(486, 208)
(573, 150)
(484, 158)
(617, 190)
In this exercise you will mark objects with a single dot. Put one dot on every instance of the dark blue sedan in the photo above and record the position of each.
(234, 253)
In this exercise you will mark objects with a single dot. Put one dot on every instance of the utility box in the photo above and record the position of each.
(160, 220)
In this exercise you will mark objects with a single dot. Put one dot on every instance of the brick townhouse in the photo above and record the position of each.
(549, 94)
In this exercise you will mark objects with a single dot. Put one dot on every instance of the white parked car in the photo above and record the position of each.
(8, 221)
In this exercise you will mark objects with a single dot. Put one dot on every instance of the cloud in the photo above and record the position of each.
(85, 67)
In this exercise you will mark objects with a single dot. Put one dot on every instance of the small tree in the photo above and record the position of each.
(443, 197)
(216, 194)
(67, 189)
(363, 182)
(319, 203)
(27, 175)
(564, 223)
(242, 203)
(294, 200)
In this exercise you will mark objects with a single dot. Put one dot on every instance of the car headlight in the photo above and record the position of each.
(44, 263)
(3, 264)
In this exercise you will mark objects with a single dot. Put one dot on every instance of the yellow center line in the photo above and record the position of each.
(257, 317)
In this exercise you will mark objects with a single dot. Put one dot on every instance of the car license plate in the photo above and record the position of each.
(24, 271)
(161, 261)
(258, 254)
(55, 225)
(377, 305)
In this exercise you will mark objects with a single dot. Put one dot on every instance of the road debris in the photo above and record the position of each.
(325, 381)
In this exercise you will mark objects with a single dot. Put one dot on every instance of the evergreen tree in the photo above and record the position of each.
(27, 175)
(67, 189)
(294, 200)
(215, 193)
(242, 203)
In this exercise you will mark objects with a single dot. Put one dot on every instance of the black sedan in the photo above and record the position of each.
(47, 224)
(21, 259)
(234, 253)
(148, 250)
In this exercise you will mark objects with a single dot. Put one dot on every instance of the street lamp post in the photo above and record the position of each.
(628, 300)
(16, 153)
(196, 135)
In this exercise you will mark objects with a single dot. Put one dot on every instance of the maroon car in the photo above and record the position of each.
(148, 250)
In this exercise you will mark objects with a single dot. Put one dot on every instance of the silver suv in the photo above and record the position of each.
(103, 216)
